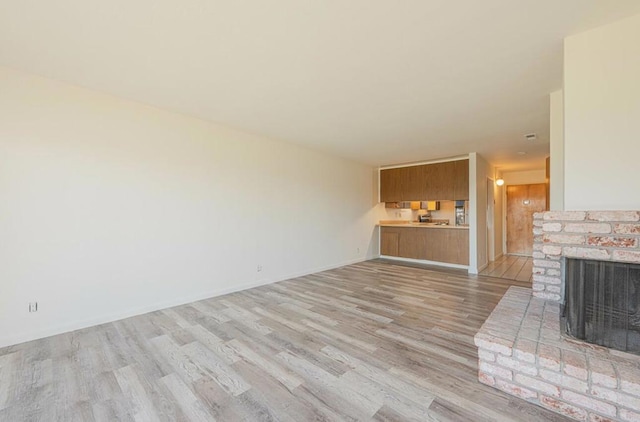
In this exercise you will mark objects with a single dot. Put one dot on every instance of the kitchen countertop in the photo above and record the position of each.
(403, 223)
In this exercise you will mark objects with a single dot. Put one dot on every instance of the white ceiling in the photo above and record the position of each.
(379, 81)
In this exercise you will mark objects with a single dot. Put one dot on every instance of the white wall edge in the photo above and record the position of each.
(104, 319)
(473, 214)
(378, 174)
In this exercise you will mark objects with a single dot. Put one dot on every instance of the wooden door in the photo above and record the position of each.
(522, 202)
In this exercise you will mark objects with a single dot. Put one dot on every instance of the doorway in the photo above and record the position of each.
(522, 202)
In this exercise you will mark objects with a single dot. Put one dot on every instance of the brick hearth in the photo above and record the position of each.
(521, 348)
(523, 353)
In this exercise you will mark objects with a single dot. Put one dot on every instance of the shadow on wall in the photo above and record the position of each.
(374, 244)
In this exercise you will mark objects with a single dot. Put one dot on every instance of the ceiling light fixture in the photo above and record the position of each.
(499, 180)
(522, 153)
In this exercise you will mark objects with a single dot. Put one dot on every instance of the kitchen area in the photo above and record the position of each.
(426, 213)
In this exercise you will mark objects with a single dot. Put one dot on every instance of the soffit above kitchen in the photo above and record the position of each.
(377, 81)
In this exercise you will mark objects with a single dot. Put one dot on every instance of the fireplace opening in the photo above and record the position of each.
(602, 303)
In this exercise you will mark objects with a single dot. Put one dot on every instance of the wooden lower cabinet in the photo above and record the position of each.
(412, 243)
(448, 245)
(432, 244)
(389, 241)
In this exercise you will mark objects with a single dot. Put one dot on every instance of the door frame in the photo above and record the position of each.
(491, 233)
(504, 219)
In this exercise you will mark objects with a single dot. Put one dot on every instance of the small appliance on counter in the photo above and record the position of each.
(425, 218)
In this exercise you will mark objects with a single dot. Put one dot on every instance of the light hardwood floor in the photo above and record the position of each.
(371, 341)
(513, 267)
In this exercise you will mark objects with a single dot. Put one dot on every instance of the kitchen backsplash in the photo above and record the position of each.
(446, 212)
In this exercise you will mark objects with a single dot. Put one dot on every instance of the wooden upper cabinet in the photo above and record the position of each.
(412, 182)
(426, 182)
(390, 185)
(400, 184)
(461, 180)
(439, 181)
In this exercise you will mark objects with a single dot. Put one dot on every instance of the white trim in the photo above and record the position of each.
(379, 200)
(504, 220)
(473, 213)
(103, 319)
(427, 262)
(491, 218)
(420, 163)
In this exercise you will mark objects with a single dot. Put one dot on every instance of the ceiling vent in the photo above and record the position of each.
(531, 137)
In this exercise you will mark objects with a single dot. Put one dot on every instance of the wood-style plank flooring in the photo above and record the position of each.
(371, 341)
(512, 267)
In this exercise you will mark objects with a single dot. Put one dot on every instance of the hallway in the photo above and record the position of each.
(511, 267)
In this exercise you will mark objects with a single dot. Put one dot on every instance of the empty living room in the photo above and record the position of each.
(320, 211)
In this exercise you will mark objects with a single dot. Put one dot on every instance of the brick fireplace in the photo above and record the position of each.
(602, 235)
(521, 348)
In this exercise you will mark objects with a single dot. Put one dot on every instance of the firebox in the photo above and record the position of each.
(602, 303)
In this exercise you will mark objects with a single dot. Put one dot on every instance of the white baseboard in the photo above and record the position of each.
(103, 319)
(424, 261)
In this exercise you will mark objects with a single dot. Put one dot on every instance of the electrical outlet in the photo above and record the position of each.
(358, 250)
(33, 306)
(259, 268)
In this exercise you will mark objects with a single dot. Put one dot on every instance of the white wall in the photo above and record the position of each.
(602, 117)
(483, 171)
(473, 214)
(479, 171)
(111, 208)
(556, 151)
